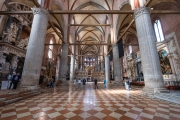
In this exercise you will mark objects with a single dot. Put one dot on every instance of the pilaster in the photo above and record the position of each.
(63, 64)
(117, 65)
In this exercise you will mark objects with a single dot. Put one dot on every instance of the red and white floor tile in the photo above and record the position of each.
(73, 103)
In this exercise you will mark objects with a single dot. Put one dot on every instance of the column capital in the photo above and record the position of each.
(41, 11)
(72, 55)
(142, 10)
(106, 56)
(65, 44)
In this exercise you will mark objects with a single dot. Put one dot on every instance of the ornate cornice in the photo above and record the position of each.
(142, 10)
(41, 11)
(8, 48)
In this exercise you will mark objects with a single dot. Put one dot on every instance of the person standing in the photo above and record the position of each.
(79, 83)
(95, 84)
(127, 84)
(16, 79)
(12, 81)
(74, 81)
(9, 77)
(52, 84)
(105, 83)
(84, 82)
(9, 80)
(130, 81)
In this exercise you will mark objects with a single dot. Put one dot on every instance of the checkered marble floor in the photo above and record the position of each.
(73, 103)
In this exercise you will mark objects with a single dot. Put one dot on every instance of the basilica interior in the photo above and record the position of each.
(63, 41)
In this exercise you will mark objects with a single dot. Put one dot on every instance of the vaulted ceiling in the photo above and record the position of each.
(89, 34)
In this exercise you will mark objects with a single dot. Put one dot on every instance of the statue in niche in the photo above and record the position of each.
(14, 63)
(10, 35)
(164, 62)
(49, 69)
(131, 68)
(89, 72)
(23, 43)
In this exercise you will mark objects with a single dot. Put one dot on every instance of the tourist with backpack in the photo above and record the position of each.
(16, 79)
(12, 81)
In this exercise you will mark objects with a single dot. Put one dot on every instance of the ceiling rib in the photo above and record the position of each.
(90, 25)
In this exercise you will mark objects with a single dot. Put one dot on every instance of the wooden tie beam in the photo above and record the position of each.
(129, 26)
(90, 12)
(87, 55)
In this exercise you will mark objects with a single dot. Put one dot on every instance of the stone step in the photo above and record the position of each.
(2, 99)
(4, 95)
(11, 98)
(2, 104)
(168, 97)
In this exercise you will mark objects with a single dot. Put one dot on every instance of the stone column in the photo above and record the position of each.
(35, 50)
(83, 69)
(14, 63)
(107, 68)
(77, 66)
(7, 22)
(57, 66)
(3, 23)
(117, 64)
(96, 64)
(135, 68)
(81, 62)
(102, 65)
(72, 68)
(149, 55)
(63, 64)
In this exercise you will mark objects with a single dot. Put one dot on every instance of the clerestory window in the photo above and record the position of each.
(158, 31)
(50, 49)
(130, 49)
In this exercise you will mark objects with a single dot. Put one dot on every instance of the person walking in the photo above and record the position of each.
(105, 83)
(79, 83)
(95, 84)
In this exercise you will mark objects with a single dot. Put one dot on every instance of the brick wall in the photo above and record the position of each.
(170, 22)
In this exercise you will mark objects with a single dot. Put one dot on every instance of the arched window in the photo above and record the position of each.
(130, 49)
(50, 49)
(158, 31)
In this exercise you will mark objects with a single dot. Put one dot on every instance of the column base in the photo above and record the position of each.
(35, 87)
(151, 91)
(65, 83)
(119, 83)
(62, 81)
